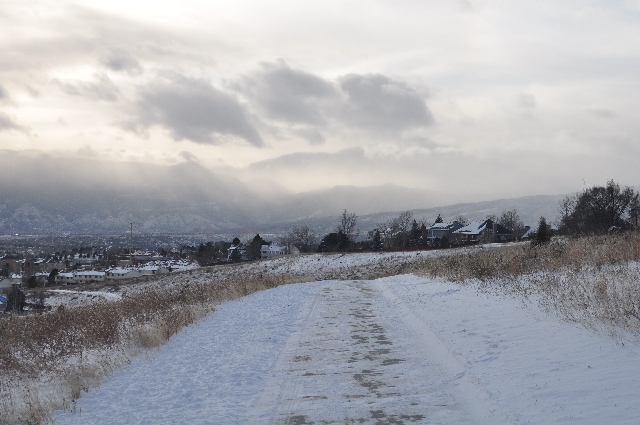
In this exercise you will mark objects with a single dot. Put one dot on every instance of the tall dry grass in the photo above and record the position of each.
(48, 359)
(593, 280)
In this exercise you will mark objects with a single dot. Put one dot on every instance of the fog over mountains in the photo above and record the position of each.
(40, 194)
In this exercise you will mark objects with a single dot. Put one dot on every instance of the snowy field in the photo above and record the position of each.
(396, 350)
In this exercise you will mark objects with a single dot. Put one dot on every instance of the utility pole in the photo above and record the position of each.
(131, 244)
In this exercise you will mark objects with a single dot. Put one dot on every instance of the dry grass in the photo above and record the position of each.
(594, 281)
(48, 359)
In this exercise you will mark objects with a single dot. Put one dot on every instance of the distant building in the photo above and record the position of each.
(273, 250)
(239, 251)
(120, 274)
(65, 279)
(486, 231)
(441, 232)
(89, 277)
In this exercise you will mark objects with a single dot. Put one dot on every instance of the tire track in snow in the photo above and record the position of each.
(352, 361)
(476, 399)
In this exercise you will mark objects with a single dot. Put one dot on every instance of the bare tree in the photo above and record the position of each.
(462, 220)
(347, 225)
(404, 222)
(511, 220)
(599, 209)
(304, 238)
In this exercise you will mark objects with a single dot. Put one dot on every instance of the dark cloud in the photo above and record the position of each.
(377, 102)
(188, 156)
(3, 93)
(121, 61)
(603, 113)
(193, 109)
(372, 102)
(287, 94)
(311, 135)
(102, 88)
(7, 124)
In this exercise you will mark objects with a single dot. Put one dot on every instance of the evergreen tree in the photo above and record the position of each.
(255, 246)
(415, 233)
(376, 244)
(543, 236)
(236, 255)
(15, 299)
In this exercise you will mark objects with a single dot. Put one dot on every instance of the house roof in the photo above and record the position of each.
(448, 225)
(90, 273)
(473, 228)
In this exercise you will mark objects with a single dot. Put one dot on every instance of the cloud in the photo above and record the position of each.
(377, 102)
(603, 113)
(7, 124)
(286, 94)
(312, 106)
(88, 152)
(121, 60)
(193, 109)
(527, 101)
(101, 88)
(188, 156)
(3, 93)
(311, 135)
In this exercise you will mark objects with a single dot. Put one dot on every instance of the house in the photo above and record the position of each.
(120, 273)
(272, 250)
(486, 231)
(152, 270)
(441, 232)
(65, 279)
(41, 278)
(89, 277)
(237, 253)
(8, 282)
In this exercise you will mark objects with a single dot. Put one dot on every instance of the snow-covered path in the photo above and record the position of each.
(399, 350)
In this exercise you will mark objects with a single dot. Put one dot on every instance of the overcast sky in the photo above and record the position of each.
(476, 99)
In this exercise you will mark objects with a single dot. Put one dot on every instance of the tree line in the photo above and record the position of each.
(597, 210)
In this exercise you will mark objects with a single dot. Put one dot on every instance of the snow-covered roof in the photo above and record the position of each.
(90, 273)
(473, 228)
(443, 225)
(273, 248)
(119, 271)
(150, 267)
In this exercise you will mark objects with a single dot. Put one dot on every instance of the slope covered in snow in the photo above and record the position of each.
(399, 350)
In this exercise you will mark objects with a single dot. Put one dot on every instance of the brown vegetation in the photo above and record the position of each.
(592, 280)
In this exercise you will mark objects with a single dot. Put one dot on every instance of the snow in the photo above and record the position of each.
(402, 349)
(473, 228)
(106, 295)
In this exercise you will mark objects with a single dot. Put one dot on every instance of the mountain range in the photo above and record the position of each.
(42, 194)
